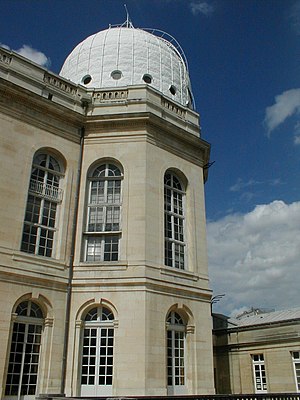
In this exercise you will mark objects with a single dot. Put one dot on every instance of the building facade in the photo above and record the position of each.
(103, 274)
(258, 352)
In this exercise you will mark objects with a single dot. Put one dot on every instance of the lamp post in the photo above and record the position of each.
(215, 299)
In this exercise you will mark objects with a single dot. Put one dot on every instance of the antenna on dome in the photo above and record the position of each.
(128, 20)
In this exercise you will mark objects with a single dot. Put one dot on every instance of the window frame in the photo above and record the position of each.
(27, 334)
(174, 248)
(44, 197)
(176, 329)
(97, 351)
(259, 373)
(106, 247)
(296, 368)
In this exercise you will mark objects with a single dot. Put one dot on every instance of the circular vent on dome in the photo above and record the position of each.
(86, 79)
(147, 78)
(116, 75)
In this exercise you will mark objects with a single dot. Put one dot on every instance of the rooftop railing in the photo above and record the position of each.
(262, 396)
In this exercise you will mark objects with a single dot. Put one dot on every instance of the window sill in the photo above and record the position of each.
(100, 233)
(38, 260)
(180, 273)
(103, 265)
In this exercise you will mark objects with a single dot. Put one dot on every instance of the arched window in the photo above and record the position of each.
(103, 228)
(174, 221)
(97, 352)
(176, 329)
(24, 351)
(44, 195)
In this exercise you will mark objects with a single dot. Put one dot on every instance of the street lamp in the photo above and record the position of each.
(215, 299)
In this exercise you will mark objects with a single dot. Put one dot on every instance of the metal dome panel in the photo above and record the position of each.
(122, 56)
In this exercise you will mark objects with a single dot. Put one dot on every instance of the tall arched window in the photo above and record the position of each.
(174, 221)
(103, 228)
(44, 195)
(97, 352)
(176, 330)
(24, 351)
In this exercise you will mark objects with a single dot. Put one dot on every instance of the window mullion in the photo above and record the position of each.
(88, 218)
(23, 361)
(41, 211)
(90, 192)
(39, 229)
(97, 362)
(105, 190)
(105, 203)
(86, 249)
(172, 225)
(104, 217)
(173, 356)
(173, 243)
(47, 161)
(90, 204)
(102, 247)
(37, 243)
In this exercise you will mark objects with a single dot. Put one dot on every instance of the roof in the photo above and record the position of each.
(123, 55)
(266, 318)
(260, 318)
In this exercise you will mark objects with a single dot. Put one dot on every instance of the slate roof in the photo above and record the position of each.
(265, 318)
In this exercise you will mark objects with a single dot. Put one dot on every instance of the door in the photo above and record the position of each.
(175, 354)
(97, 353)
(22, 374)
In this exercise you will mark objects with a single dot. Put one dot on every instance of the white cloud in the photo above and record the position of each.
(255, 258)
(32, 54)
(201, 7)
(4, 46)
(297, 133)
(249, 189)
(240, 184)
(286, 105)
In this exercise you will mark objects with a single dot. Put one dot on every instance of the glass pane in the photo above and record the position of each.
(94, 247)
(33, 209)
(175, 351)
(29, 238)
(107, 315)
(97, 192)
(24, 356)
(111, 248)
(174, 222)
(112, 219)
(96, 219)
(92, 315)
(100, 171)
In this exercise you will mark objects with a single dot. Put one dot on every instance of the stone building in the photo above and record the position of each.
(103, 273)
(259, 352)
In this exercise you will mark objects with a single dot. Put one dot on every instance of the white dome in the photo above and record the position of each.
(122, 56)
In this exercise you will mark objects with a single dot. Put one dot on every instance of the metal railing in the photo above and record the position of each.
(45, 190)
(261, 396)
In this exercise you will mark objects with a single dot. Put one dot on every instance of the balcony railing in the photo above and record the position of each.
(264, 396)
(45, 190)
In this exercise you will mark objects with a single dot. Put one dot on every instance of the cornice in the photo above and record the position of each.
(151, 128)
(24, 105)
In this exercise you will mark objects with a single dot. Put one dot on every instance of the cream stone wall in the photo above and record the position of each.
(140, 287)
(140, 341)
(145, 135)
(233, 357)
(29, 124)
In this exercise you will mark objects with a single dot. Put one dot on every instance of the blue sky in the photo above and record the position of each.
(244, 58)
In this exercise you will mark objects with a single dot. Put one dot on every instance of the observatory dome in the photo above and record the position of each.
(125, 56)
